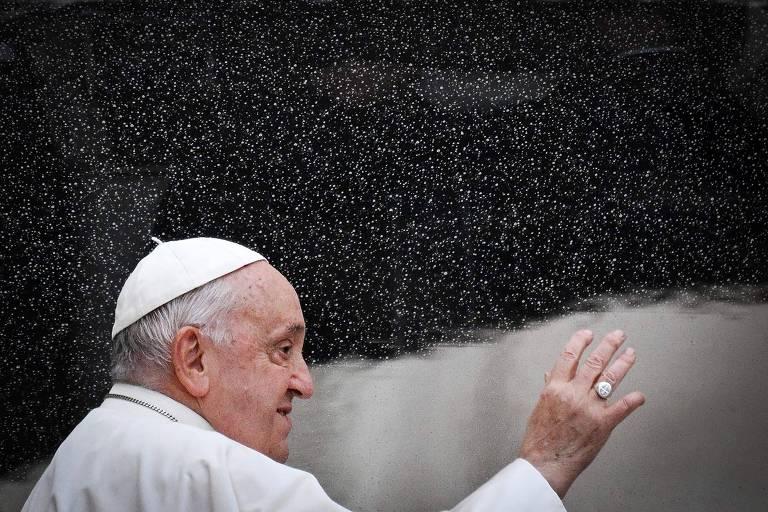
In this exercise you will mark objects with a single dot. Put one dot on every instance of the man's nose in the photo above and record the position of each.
(302, 381)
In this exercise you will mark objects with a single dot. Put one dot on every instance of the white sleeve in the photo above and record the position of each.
(258, 483)
(519, 487)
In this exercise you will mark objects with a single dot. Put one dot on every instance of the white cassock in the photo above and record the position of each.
(125, 456)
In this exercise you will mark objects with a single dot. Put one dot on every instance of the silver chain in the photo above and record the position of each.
(145, 404)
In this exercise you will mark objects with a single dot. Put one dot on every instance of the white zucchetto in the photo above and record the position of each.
(173, 269)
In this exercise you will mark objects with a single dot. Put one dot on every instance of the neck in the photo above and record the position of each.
(170, 387)
(173, 389)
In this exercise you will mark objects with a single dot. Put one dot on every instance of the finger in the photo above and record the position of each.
(566, 364)
(619, 369)
(599, 358)
(624, 407)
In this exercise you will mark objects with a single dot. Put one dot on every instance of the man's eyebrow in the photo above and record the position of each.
(289, 330)
(296, 327)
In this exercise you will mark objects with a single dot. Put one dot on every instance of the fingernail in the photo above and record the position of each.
(630, 351)
(586, 332)
(619, 333)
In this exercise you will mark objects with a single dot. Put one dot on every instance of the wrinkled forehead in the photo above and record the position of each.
(265, 292)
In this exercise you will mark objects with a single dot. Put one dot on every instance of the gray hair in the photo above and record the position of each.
(142, 351)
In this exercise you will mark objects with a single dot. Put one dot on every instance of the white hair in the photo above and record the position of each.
(142, 351)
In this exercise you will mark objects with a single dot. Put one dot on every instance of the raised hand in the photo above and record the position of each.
(571, 423)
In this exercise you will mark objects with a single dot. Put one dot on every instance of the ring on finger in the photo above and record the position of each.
(603, 389)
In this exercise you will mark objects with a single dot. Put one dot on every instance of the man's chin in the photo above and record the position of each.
(279, 454)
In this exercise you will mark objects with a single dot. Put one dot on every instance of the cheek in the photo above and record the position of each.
(238, 391)
(251, 392)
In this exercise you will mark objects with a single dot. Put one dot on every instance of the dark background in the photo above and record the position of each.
(410, 168)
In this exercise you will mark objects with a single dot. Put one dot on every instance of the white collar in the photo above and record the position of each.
(164, 403)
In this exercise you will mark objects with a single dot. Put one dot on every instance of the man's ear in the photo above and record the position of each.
(190, 360)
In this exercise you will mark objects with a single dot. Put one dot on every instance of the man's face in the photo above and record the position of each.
(256, 377)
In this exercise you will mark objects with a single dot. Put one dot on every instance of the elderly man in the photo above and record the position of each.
(207, 358)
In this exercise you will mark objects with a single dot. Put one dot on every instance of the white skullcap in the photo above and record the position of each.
(174, 268)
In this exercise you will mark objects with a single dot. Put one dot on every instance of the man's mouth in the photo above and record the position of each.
(284, 412)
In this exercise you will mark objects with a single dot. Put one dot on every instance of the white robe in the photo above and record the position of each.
(126, 457)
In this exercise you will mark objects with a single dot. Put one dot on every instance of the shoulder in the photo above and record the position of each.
(152, 436)
(151, 463)
(154, 441)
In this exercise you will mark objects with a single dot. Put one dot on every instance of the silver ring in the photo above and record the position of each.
(603, 389)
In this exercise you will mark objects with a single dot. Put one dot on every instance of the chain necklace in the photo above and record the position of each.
(145, 404)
